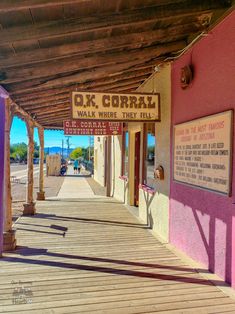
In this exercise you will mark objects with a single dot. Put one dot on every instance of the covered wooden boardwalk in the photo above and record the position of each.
(107, 262)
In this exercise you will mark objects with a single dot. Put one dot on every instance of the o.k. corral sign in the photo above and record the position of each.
(115, 106)
(88, 127)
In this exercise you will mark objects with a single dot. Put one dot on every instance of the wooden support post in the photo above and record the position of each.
(9, 240)
(41, 193)
(2, 126)
(29, 207)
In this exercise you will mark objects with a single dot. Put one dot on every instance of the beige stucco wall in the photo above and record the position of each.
(117, 185)
(99, 159)
(158, 204)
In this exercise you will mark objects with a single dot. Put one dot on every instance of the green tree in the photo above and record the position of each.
(36, 150)
(76, 153)
(19, 151)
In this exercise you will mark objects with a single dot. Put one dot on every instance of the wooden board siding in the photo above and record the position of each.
(107, 263)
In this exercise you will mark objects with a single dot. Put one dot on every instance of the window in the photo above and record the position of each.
(149, 154)
(125, 148)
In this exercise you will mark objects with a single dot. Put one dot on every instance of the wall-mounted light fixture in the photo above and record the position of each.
(186, 76)
(159, 173)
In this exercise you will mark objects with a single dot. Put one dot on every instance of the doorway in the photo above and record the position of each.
(137, 169)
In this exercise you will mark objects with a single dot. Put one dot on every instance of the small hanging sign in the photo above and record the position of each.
(87, 127)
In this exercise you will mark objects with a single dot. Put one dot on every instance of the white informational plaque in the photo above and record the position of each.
(203, 152)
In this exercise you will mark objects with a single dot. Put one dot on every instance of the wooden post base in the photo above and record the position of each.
(29, 209)
(9, 241)
(41, 196)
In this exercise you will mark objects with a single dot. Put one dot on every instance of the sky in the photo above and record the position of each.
(52, 138)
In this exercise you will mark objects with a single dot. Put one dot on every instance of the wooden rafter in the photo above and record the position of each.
(20, 74)
(49, 47)
(63, 97)
(58, 93)
(130, 41)
(110, 22)
(18, 5)
(76, 79)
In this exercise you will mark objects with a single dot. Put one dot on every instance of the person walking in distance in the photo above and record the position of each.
(79, 167)
(75, 167)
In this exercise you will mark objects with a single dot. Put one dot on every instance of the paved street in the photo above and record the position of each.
(20, 171)
(18, 189)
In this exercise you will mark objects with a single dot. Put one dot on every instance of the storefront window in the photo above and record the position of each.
(125, 153)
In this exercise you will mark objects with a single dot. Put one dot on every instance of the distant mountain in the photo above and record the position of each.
(57, 150)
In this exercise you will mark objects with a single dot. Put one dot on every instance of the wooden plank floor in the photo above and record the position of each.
(106, 263)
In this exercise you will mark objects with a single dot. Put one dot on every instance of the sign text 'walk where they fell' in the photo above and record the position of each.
(115, 107)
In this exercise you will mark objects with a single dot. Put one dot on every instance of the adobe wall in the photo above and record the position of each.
(99, 159)
(157, 205)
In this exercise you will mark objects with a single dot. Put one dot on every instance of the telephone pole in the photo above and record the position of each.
(89, 149)
(62, 153)
(68, 144)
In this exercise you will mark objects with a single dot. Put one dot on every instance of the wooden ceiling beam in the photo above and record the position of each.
(123, 83)
(72, 81)
(18, 111)
(42, 102)
(24, 96)
(109, 21)
(19, 5)
(52, 119)
(21, 74)
(121, 89)
(50, 116)
(59, 116)
(54, 110)
(32, 87)
(43, 107)
(130, 41)
(55, 127)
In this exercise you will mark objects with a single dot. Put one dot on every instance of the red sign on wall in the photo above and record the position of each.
(84, 127)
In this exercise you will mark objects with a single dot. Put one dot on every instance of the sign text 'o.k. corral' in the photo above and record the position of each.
(115, 107)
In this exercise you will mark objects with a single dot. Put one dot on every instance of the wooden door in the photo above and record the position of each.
(137, 168)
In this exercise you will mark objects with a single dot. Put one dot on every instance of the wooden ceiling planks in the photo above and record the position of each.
(70, 65)
(50, 47)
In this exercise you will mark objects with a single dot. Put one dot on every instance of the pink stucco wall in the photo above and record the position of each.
(202, 223)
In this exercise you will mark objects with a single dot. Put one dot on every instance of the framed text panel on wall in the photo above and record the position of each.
(203, 152)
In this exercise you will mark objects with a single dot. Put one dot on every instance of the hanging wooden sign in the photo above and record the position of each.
(88, 127)
(115, 107)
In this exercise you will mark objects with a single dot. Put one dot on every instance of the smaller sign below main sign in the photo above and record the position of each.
(77, 127)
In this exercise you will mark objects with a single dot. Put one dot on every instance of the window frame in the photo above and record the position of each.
(144, 159)
(125, 131)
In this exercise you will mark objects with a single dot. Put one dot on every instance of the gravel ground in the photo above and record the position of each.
(52, 186)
